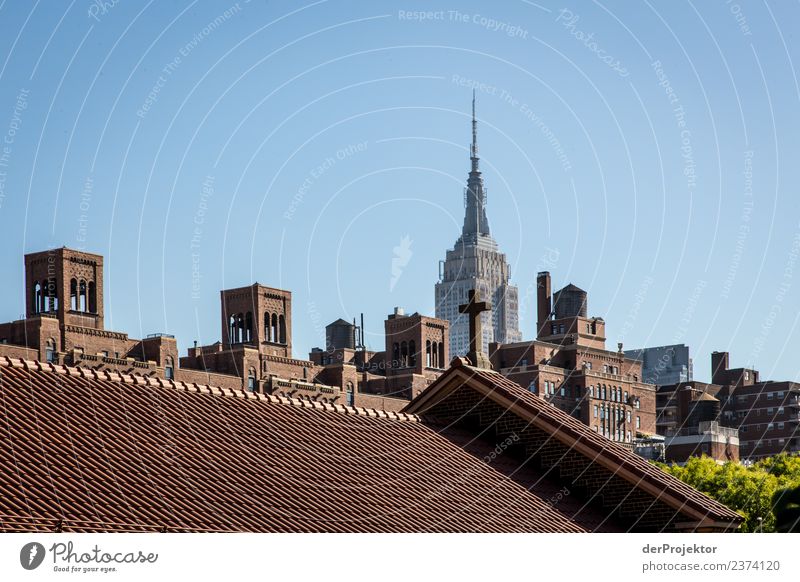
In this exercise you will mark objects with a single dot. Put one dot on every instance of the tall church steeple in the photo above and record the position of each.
(475, 222)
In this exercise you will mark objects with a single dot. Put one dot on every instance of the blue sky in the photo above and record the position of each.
(644, 151)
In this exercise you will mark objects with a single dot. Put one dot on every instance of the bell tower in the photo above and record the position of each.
(258, 316)
(66, 284)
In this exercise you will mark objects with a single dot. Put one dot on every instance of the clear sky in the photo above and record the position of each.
(645, 151)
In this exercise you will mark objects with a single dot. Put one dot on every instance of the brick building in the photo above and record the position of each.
(416, 351)
(64, 320)
(569, 366)
(64, 324)
(765, 413)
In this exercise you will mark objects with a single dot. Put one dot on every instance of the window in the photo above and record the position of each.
(747, 375)
(780, 410)
(169, 368)
(605, 368)
(532, 386)
(628, 416)
(524, 363)
(637, 404)
(563, 391)
(638, 422)
(561, 328)
(251, 380)
(626, 396)
(780, 426)
(595, 410)
(50, 351)
(770, 395)
(553, 329)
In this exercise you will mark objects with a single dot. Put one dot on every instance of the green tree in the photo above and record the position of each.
(752, 491)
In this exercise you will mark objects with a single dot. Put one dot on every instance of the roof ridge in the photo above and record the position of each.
(140, 380)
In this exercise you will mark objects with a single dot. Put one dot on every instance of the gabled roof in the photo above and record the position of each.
(86, 450)
(608, 473)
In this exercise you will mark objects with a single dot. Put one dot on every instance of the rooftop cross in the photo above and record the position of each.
(473, 309)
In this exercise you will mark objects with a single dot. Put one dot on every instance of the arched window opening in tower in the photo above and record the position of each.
(73, 295)
(92, 297)
(37, 297)
(82, 296)
(248, 327)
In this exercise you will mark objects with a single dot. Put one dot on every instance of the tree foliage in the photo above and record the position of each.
(754, 491)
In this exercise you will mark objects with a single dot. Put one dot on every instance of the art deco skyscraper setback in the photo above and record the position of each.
(475, 262)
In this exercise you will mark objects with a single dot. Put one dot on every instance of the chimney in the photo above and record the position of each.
(543, 302)
(719, 365)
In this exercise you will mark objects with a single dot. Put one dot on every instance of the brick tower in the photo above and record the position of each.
(67, 284)
(259, 316)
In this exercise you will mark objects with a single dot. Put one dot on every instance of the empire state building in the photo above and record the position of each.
(475, 262)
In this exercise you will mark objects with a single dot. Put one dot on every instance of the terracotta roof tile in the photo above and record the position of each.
(85, 452)
(570, 428)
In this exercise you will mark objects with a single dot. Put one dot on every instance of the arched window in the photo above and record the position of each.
(248, 326)
(48, 291)
(169, 368)
(232, 329)
(428, 353)
(73, 294)
(251, 380)
(282, 329)
(440, 356)
(50, 351)
(350, 393)
(403, 354)
(395, 355)
(82, 295)
(275, 327)
(412, 353)
(37, 297)
(240, 328)
(267, 328)
(92, 297)
(51, 289)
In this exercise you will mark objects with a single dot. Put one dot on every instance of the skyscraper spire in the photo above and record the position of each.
(475, 222)
(474, 150)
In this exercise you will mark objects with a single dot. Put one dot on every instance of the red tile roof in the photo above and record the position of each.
(95, 451)
(694, 505)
